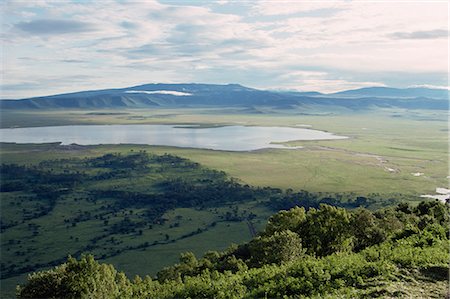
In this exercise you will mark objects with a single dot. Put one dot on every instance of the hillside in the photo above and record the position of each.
(126, 203)
(232, 95)
(329, 252)
(134, 209)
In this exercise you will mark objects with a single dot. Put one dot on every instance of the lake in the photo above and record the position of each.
(230, 138)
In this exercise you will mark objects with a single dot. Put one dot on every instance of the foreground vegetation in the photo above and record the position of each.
(326, 252)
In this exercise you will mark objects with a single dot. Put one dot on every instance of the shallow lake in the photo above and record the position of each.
(230, 138)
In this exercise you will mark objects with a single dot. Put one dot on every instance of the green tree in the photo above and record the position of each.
(280, 247)
(326, 230)
(283, 220)
(365, 229)
(85, 278)
(187, 266)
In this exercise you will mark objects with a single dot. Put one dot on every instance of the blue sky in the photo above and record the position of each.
(51, 47)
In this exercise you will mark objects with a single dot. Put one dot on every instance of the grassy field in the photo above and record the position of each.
(383, 152)
(385, 148)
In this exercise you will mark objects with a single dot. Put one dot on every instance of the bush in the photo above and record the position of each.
(280, 247)
(85, 278)
(275, 264)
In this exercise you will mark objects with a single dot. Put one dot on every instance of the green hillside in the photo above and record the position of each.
(401, 251)
(134, 209)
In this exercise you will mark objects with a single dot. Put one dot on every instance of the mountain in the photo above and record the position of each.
(389, 92)
(154, 95)
(232, 95)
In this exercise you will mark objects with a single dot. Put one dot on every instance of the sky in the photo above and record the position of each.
(50, 47)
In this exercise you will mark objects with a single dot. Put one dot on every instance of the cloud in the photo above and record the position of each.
(146, 50)
(73, 61)
(430, 86)
(306, 80)
(333, 85)
(128, 25)
(321, 45)
(54, 26)
(431, 34)
(19, 86)
(33, 88)
(167, 92)
(283, 7)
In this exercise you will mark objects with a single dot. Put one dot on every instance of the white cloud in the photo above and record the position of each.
(289, 7)
(168, 92)
(430, 86)
(333, 85)
(324, 45)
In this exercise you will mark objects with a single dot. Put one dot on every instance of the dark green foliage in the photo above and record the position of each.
(326, 231)
(213, 260)
(118, 161)
(291, 219)
(433, 210)
(322, 231)
(85, 278)
(349, 254)
(366, 229)
(277, 248)
(288, 200)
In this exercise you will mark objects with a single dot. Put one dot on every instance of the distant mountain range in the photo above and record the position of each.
(233, 95)
(389, 92)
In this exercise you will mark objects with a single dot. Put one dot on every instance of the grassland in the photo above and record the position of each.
(385, 148)
(383, 152)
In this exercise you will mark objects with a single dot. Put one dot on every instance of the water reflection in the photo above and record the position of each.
(232, 138)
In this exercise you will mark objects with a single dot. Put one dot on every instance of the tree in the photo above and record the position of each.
(85, 278)
(286, 220)
(365, 229)
(326, 230)
(187, 266)
(280, 247)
